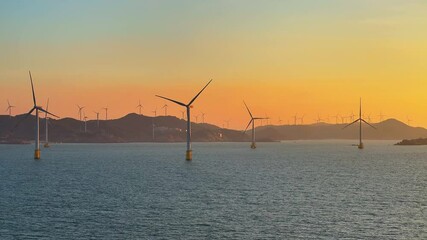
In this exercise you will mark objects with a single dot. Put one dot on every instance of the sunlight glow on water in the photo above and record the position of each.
(289, 190)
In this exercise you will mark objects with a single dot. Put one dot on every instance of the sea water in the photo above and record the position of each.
(287, 190)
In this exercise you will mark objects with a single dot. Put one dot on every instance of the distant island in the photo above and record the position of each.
(140, 128)
(413, 142)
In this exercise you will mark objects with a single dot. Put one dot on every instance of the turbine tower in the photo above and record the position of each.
(295, 117)
(85, 120)
(106, 113)
(182, 115)
(360, 120)
(37, 109)
(9, 108)
(140, 107)
(80, 112)
(155, 112)
(252, 121)
(46, 119)
(203, 117)
(97, 118)
(189, 153)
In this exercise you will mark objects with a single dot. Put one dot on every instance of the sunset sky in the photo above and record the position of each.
(282, 57)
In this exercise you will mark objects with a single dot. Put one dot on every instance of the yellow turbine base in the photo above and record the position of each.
(189, 155)
(37, 154)
(360, 146)
(253, 146)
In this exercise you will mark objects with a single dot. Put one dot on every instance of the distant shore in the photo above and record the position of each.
(413, 142)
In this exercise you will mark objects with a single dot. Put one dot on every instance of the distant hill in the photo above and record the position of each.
(130, 128)
(138, 128)
(390, 129)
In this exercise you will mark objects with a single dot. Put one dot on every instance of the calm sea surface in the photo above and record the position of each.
(288, 190)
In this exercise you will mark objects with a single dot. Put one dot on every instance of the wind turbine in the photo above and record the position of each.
(280, 121)
(46, 119)
(318, 120)
(106, 113)
(360, 120)
(182, 115)
(203, 117)
(295, 117)
(352, 116)
(252, 121)
(37, 109)
(166, 109)
(189, 153)
(9, 108)
(302, 119)
(140, 107)
(197, 118)
(80, 112)
(336, 118)
(97, 118)
(228, 123)
(155, 112)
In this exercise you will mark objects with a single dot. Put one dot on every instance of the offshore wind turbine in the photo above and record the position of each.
(37, 109)
(360, 120)
(9, 108)
(140, 107)
(189, 152)
(80, 111)
(252, 121)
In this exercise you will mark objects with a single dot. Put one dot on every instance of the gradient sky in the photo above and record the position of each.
(281, 57)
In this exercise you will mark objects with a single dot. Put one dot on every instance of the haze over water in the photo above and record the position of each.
(289, 190)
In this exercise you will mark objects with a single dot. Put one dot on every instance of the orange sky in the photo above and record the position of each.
(282, 58)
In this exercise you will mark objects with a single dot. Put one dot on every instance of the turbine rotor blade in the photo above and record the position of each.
(351, 123)
(248, 125)
(41, 109)
(179, 103)
(368, 124)
(192, 100)
(248, 110)
(32, 88)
